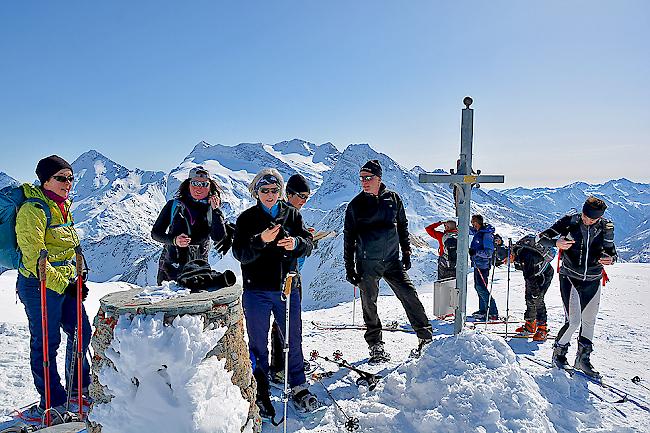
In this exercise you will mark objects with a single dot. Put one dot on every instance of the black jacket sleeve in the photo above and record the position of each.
(560, 228)
(246, 246)
(402, 226)
(218, 229)
(608, 239)
(349, 238)
(159, 230)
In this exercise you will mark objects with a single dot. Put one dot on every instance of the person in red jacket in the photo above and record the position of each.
(447, 243)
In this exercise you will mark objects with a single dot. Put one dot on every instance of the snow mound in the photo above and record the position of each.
(162, 381)
(168, 290)
(470, 382)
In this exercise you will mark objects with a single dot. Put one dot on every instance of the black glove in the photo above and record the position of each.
(472, 251)
(352, 277)
(224, 245)
(406, 261)
(71, 290)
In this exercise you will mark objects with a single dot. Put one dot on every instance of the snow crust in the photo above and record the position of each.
(162, 381)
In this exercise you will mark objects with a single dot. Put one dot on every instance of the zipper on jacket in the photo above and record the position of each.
(584, 277)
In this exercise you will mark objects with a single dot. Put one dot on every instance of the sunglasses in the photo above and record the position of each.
(199, 183)
(301, 195)
(366, 178)
(64, 179)
(269, 190)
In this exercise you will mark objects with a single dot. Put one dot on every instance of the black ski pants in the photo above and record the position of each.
(535, 292)
(393, 273)
(581, 301)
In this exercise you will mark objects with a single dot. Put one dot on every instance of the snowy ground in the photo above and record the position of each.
(475, 383)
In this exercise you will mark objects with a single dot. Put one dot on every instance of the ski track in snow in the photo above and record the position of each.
(451, 388)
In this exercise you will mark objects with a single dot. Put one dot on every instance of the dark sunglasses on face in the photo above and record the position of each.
(301, 195)
(269, 190)
(64, 179)
(366, 178)
(199, 183)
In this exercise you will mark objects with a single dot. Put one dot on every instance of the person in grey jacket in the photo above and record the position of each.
(586, 242)
(375, 229)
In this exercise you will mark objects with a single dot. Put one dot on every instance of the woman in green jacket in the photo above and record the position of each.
(58, 236)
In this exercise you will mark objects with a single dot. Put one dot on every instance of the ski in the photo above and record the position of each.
(365, 378)
(624, 395)
(525, 336)
(391, 327)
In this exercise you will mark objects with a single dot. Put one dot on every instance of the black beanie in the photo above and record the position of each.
(47, 167)
(373, 167)
(594, 208)
(297, 183)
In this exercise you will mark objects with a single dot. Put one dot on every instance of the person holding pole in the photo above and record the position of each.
(480, 252)
(586, 241)
(375, 229)
(269, 239)
(44, 228)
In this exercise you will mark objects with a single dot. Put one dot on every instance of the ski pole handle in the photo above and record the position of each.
(288, 282)
(42, 265)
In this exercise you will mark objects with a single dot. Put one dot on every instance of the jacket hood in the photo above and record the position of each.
(486, 228)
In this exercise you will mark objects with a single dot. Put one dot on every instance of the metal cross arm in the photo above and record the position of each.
(461, 178)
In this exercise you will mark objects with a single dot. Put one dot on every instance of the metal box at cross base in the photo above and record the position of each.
(444, 295)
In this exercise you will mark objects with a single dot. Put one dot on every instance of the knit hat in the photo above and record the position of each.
(199, 172)
(297, 183)
(373, 167)
(593, 208)
(47, 167)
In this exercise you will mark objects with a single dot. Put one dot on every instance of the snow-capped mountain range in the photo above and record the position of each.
(115, 207)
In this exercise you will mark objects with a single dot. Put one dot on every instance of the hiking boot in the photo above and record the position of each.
(528, 328)
(583, 362)
(35, 413)
(267, 411)
(559, 356)
(479, 315)
(542, 332)
(493, 317)
(378, 354)
(306, 366)
(303, 399)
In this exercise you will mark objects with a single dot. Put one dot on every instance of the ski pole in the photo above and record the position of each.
(70, 378)
(494, 268)
(80, 282)
(286, 295)
(508, 287)
(354, 304)
(42, 270)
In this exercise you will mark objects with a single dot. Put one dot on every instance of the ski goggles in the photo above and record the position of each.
(64, 179)
(366, 178)
(199, 183)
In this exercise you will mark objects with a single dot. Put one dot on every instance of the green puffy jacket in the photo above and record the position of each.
(32, 237)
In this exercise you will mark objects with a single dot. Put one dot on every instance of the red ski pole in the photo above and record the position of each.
(80, 282)
(42, 266)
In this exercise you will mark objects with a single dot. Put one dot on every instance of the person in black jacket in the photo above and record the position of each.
(269, 238)
(586, 241)
(375, 229)
(538, 275)
(187, 223)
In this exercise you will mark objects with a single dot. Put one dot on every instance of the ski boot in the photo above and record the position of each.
(277, 377)
(583, 362)
(303, 399)
(378, 354)
(267, 411)
(417, 352)
(542, 332)
(528, 328)
(559, 356)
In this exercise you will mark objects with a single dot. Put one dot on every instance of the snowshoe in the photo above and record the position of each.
(304, 400)
(19, 427)
(417, 352)
(378, 354)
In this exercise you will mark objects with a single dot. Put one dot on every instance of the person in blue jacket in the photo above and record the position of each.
(480, 251)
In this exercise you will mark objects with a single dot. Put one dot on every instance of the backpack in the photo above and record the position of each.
(11, 198)
(547, 252)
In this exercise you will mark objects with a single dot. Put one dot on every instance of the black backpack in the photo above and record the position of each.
(529, 242)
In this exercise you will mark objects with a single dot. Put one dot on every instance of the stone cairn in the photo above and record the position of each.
(221, 308)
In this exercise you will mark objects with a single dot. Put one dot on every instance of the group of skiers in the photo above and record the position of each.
(270, 240)
(585, 242)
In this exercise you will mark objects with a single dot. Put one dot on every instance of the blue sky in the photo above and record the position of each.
(561, 88)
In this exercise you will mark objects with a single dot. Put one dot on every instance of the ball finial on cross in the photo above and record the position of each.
(467, 101)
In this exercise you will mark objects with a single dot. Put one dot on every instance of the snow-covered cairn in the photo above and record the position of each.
(177, 365)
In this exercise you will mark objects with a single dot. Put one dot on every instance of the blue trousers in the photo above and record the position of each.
(258, 306)
(481, 281)
(61, 313)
